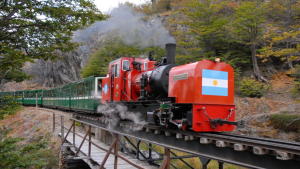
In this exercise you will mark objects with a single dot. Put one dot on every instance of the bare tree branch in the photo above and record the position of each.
(13, 11)
(5, 3)
(2, 77)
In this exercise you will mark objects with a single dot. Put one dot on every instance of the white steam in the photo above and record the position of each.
(129, 25)
(120, 112)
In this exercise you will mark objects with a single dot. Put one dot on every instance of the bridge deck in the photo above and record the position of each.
(97, 154)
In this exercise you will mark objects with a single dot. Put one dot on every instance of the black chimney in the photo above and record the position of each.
(171, 48)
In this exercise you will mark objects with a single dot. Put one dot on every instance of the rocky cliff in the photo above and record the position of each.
(126, 23)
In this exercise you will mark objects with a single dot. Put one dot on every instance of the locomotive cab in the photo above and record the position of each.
(123, 77)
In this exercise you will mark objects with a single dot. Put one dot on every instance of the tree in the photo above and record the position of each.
(8, 106)
(32, 29)
(248, 26)
(283, 32)
(113, 49)
(283, 45)
(207, 24)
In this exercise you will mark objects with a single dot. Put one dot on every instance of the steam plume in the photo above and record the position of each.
(128, 24)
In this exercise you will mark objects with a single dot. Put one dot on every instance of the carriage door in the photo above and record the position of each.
(112, 81)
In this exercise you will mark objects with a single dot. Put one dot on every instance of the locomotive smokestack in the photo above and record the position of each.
(170, 48)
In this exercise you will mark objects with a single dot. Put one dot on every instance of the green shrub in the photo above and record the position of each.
(31, 155)
(286, 122)
(252, 88)
(8, 106)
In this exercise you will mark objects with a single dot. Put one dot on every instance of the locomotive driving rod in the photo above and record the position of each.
(215, 122)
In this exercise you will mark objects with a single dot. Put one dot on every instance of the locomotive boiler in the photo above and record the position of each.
(197, 96)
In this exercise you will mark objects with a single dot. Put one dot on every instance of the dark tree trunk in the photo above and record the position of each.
(290, 62)
(153, 3)
(256, 70)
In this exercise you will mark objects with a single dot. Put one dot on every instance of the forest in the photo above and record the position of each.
(255, 37)
(258, 38)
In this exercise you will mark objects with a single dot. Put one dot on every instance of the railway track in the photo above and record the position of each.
(283, 150)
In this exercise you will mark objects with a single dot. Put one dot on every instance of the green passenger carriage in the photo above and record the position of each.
(85, 95)
(31, 95)
(81, 96)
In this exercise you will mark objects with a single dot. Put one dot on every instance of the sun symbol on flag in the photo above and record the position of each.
(215, 82)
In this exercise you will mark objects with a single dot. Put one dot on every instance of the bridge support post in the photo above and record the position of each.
(90, 143)
(53, 122)
(166, 161)
(113, 145)
(221, 165)
(204, 162)
(116, 151)
(74, 132)
(36, 100)
(150, 153)
(138, 149)
(62, 130)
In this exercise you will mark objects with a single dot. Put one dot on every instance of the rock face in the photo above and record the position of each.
(150, 33)
(64, 71)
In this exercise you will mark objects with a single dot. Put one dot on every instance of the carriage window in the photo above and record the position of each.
(66, 91)
(60, 92)
(86, 87)
(75, 89)
(112, 69)
(117, 68)
(93, 87)
(125, 65)
(63, 90)
(145, 66)
(80, 89)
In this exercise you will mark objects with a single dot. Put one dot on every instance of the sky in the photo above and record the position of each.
(106, 5)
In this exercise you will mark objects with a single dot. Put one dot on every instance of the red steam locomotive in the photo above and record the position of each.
(197, 96)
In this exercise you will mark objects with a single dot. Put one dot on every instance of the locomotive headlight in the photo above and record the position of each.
(217, 60)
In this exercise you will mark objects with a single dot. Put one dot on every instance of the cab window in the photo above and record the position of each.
(117, 69)
(112, 69)
(125, 65)
(145, 66)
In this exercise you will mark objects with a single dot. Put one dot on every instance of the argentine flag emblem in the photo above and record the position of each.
(214, 82)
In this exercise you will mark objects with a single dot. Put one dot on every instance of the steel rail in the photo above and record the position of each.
(271, 144)
(274, 145)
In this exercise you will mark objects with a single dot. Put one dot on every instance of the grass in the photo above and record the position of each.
(285, 121)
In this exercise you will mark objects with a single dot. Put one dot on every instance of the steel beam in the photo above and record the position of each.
(225, 154)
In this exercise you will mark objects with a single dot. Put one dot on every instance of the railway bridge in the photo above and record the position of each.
(240, 150)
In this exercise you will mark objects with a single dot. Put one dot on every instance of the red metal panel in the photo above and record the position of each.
(105, 96)
(183, 90)
(202, 124)
(189, 90)
(127, 89)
